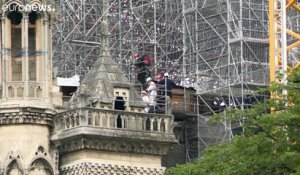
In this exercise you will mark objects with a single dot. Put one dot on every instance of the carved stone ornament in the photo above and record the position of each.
(41, 151)
(25, 117)
(124, 146)
(105, 169)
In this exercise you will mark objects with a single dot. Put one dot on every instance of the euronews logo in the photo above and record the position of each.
(28, 8)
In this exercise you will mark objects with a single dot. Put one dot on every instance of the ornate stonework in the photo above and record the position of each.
(40, 163)
(25, 116)
(113, 131)
(117, 145)
(106, 169)
(105, 134)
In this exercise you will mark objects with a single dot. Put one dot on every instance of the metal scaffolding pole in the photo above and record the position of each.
(229, 40)
(218, 47)
(284, 38)
(136, 26)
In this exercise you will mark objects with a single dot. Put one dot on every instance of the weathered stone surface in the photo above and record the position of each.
(105, 169)
(101, 139)
(85, 138)
(26, 116)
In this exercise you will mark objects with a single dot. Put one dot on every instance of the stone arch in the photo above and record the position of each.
(39, 92)
(20, 2)
(37, 2)
(155, 124)
(14, 18)
(147, 124)
(9, 3)
(14, 167)
(40, 3)
(163, 126)
(40, 166)
(17, 2)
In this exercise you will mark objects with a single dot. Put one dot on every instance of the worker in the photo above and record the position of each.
(159, 77)
(151, 90)
(166, 84)
(146, 101)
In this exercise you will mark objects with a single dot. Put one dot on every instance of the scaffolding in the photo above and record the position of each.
(218, 47)
(76, 36)
(228, 41)
(284, 38)
(146, 27)
(136, 26)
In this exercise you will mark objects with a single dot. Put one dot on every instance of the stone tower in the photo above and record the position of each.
(104, 131)
(26, 93)
(107, 132)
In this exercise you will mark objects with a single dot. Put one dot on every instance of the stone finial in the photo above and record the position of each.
(104, 38)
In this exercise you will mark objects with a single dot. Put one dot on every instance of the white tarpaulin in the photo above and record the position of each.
(72, 81)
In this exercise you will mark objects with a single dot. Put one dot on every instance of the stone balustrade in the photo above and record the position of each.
(104, 118)
(17, 90)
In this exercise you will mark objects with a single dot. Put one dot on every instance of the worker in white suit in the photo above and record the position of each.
(151, 90)
(145, 98)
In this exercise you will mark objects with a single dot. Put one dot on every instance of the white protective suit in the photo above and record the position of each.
(152, 93)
